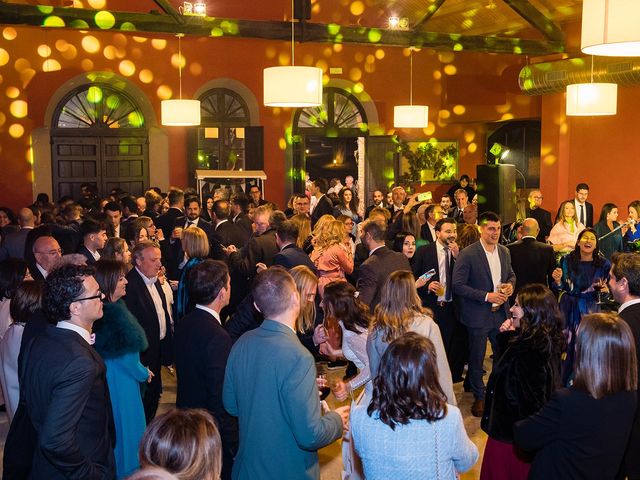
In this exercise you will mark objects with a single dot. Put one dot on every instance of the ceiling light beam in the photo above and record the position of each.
(536, 19)
(431, 11)
(170, 10)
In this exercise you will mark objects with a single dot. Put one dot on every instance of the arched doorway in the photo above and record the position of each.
(329, 139)
(99, 136)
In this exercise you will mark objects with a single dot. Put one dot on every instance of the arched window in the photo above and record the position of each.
(341, 114)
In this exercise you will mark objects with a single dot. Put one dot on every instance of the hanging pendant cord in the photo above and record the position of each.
(180, 35)
(293, 60)
(591, 68)
(411, 77)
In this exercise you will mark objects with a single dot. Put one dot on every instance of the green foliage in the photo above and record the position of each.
(428, 157)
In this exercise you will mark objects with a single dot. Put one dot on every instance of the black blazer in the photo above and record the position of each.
(166, 222)
(576, 436)
(426, 258)
(291, 256)
(532, 262)
(631, 465)
(544, 222)
(13, 244)
(261, 249)
(67, 399)
(230, 234)
(425, 234)
(245, 224)
(202, 346)
(375, 270)
(140, 303)
(84, 251)
(215, 245)
(323, 207)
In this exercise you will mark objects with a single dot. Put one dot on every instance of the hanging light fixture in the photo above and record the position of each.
(610, 28)
(180, 112)
(292, 86)
(411, 116)
(592, 99)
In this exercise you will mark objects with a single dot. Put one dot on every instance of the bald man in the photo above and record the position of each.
(46, 251)
(532, 261)
(14, 242)
(543, 217)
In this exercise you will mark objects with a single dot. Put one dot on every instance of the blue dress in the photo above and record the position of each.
(119, 340)
(183, 304)
(577, 298)
(612, 243)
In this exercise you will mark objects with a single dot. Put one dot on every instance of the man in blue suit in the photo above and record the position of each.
(483, 280)
(270, 385)
(290, 255)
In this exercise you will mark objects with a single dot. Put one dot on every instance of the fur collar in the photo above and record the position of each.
(118, 332)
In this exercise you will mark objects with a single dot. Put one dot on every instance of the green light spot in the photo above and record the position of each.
(216, 32)
(233, 28)
(94, 94)
(53, 21)
(374, 35)
(457, 47)
(80, 24)
(358, 88)
(339, 38)
(105, 20)
(363, 127)
(136, 119)
(113, 101)
(128, 27)
(46, 9)
(333, 29)
(517, 50)
(527, 84)
(577, 62)
(454, 36)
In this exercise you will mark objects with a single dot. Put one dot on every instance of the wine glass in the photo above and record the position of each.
(599, 284)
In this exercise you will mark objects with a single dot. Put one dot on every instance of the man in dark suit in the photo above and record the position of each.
(113, 212)
(227, 232)
(46, 253)
(381, 263)
(398, 196)
(256, 196)
(542, 216)
(201, 350)
(323, 205)
(94, 236)
(378, 199)
(289, 255)
(65, 386)
(167, 221)
(584, 209)
(437, 293)
(483, 280)
(192, 218)
(239, 204)
(433, 213)
(270, 385)
(14, 242)
(532, 261)
(146, 300)
(462, 203)
(624, 285)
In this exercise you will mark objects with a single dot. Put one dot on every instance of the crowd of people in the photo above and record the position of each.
(249, 305)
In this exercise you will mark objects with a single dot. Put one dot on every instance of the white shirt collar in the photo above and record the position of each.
(221, 222)
(528, 236)
(378, 247)
(628, 304)
(215, 314)
(95, 254)
(147, 280)
(193, 222)
(42, 270)
(79, 330)
(488, 252)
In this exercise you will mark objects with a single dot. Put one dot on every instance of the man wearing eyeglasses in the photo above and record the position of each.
(64, 382)
(542, 216)
(47, 252)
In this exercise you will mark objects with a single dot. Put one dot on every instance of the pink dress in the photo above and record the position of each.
(562, 233)
(332, 264)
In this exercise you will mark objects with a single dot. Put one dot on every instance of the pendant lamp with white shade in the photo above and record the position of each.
(592, 99)
(610, 28)
(292, 86)
(180, 112)
(411, 116)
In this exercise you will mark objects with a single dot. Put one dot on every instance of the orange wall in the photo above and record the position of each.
(463, 90)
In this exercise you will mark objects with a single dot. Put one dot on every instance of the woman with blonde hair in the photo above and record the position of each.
(320, 225)
(331, 254)
(186, 443)
(307, 285)
(195, 245)
(304, 228)
(564, 234)
(399, 311)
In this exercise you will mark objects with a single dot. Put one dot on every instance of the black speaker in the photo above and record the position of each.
(497, 190)
(302, 9)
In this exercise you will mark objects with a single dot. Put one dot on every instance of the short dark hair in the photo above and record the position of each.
(221, 209)
(276, 218)
(375, 228)
(485, 217)
(627, 265)
(205, 281)
(112, 207)
(430, 209)
(255, 186)
(582, 186)
(25, 301)
(89, 227)
(61, 288)
(321, 184)
(407, 387)
(398, 241)
(270, 292)
(288, 231)
(114, 245)
(465, 177)
(12, 272)
(108, 273)
(175, 196)
(445, 195)
(442, 221)
(242, 201)
(129, 203)
(189, 200)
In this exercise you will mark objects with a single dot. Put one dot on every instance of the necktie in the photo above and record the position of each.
(582, 215)
(447, 273)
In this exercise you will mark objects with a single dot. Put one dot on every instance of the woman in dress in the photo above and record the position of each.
(409, 431)
(606, 224)
(207, 209)
(349, 207)
(405, 243)
(632, 231)
(564, 234)
(581, 273)
(399, 311)
(583, 431)
(526, 372)
(12, 274)
(331, 254)
(119, 340)
(195, 245)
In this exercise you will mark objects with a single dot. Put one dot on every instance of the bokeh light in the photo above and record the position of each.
(195, 68)
(164, 92)
(19, 108)
(3, 118)
(9, 33)
(90, 44)
(109, 52)
(450, 69)
(97, 4)
(105, 19)
(159, 43)
(178, 61)
(16, 130)
(51, 65)
(22, 64)
(12, 92)
(127, 68)
(140, 39)
(4, 57)
(86, 64)
(145, 75)
(44, 51)
(94, 94)
(459, 109)
(53, 22)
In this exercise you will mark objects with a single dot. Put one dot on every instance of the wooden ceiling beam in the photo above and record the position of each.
(129, 22)
(536, 19)
(431, 11)
(170, 10)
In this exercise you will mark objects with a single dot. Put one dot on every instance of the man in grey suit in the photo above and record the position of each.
(270, 385)
(14, 242)
(483, 280)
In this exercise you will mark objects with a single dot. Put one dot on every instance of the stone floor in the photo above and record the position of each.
(330, 456)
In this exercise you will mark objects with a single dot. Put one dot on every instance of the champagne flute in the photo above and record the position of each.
(598, 285)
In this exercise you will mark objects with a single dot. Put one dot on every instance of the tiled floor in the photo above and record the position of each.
(330, 456)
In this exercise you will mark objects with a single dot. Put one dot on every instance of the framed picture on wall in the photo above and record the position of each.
(424, 161)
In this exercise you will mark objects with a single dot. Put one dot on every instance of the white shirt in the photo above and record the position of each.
(494, 265)
(157, 302)
(116, 231)
(371, 251)
(95, 255)
(432, 228)
(577, 204)
(79, 330)
(189, 222)
(628, 304)
(313, 203)
(42, 270)
(221, 222)
(215, 314)
(442, 267)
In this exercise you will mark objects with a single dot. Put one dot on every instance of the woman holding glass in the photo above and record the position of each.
(632, 231)
(582, 274)
(564, 234)
(608, 230)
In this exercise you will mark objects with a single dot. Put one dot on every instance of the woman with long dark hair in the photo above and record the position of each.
(606, 225)
(349, 207)
(582, 431)
(526, 372)
(409, 431)
(405, 243)
(632, 232)
(582, 274)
